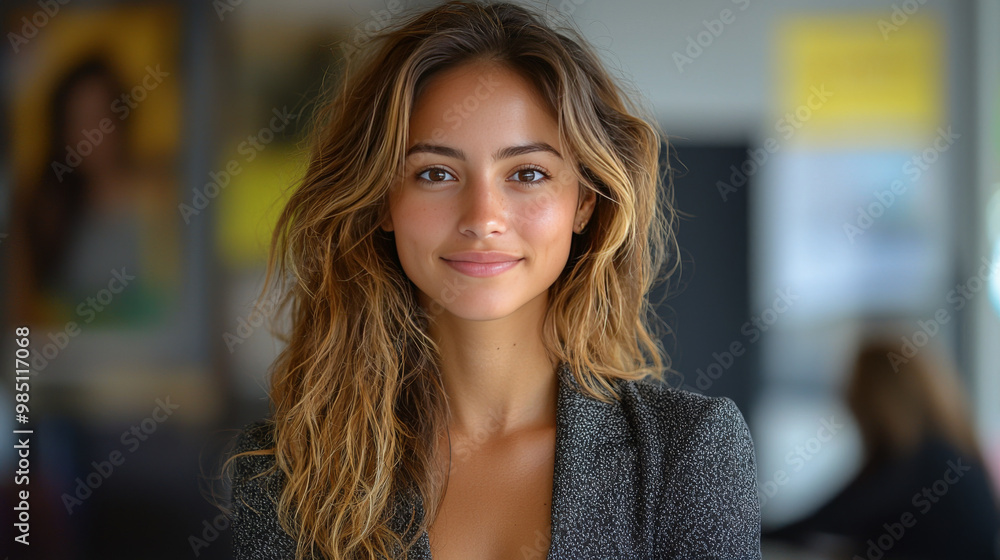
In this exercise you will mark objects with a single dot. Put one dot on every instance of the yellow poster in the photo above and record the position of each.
(862, 80)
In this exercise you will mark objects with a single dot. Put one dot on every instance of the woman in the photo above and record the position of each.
(467, 374)
(923, 491)
(91, 210)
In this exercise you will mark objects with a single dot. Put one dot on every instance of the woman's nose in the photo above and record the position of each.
(484, 207)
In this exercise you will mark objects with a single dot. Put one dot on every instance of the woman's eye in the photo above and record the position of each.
(529, 175)
(435, 175)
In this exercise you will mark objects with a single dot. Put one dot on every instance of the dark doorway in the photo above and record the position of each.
(707, 307)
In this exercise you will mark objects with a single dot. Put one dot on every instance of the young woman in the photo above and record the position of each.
(470, 373)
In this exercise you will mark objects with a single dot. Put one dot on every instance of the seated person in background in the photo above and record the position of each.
(923, 491)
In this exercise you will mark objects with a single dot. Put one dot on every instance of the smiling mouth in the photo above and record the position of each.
(482, 269)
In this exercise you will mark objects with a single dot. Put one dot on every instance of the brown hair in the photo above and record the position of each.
(356, 398)
(901, 401)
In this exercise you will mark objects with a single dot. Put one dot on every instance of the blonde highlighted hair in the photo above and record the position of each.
(357, 403)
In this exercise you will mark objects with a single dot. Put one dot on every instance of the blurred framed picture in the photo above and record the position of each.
(95, 111)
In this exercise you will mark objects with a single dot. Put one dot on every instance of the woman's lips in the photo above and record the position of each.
(482, 270)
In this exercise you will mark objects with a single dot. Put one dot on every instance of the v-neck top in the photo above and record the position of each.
(661, 473)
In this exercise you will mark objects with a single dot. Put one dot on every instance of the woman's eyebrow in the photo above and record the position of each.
(502, 153)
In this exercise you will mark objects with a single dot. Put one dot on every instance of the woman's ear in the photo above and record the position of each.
(386, 224)
(585, 208)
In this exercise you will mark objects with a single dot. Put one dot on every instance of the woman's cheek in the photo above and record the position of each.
(538, 212)
(417, 215)
(540, 204)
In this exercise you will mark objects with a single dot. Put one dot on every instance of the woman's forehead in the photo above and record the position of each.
(481, 105)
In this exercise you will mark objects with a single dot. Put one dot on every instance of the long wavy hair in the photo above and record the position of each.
(356, 398)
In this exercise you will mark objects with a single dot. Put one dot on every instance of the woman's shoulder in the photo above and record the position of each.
(255, 436)
(253, 472)
(691, 456)
(690, 431)
(256, 486)
(667, 409)
(701, 451)
(255, 475)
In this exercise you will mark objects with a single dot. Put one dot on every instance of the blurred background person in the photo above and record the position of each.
(923, 491)
(94, 210)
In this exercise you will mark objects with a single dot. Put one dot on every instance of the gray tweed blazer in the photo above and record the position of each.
(662, 473)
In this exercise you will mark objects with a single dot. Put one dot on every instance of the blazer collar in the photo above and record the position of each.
(575, 448)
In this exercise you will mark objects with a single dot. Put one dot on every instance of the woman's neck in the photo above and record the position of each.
(497, 374)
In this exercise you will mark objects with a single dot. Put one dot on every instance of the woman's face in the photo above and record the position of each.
(485, 211)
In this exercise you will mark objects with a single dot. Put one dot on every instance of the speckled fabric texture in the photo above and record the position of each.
(662, 473)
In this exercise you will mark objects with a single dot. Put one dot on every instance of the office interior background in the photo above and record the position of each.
(838, 165)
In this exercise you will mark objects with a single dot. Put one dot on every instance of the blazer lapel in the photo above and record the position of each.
(594, 456)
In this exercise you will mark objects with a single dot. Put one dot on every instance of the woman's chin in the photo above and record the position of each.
(471, 310)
